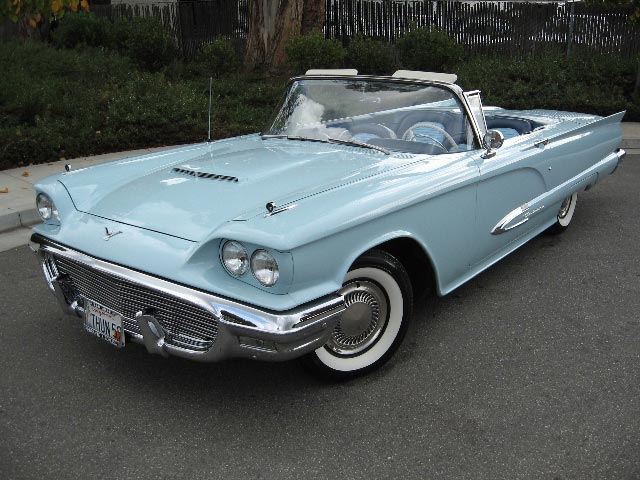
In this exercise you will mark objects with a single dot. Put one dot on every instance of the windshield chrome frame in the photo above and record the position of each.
(452, 87)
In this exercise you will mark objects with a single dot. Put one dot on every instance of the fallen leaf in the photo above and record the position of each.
(4, 190)
(25, 174)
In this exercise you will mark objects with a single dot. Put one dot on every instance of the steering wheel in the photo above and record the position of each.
(411, 136)
(376, 129)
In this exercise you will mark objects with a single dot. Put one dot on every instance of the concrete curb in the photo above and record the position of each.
(631, 143)
(21, 218)
(23, 213)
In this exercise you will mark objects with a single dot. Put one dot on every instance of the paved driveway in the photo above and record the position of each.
(531, 370)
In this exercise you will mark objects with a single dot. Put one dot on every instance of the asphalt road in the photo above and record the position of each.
(531, 370)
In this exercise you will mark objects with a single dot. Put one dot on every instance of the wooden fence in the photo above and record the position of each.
(191, 22)
(502, 28)
(493, 28)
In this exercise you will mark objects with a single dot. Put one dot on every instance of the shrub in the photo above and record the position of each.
(70, 103)
(146, 42)
(76, 29)
(217, 58)
(370, 56)
(429, 49)
(589, 83)
(314, 51)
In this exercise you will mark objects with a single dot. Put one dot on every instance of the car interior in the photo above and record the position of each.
(424, 131)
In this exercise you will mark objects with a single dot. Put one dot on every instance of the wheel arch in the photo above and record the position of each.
(412, 254)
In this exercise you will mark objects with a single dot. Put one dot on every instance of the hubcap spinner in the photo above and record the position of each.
(363, 320)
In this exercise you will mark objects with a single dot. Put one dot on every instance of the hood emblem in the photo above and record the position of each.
(110, 234)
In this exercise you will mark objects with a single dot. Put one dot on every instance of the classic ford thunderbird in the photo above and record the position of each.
(311, 239)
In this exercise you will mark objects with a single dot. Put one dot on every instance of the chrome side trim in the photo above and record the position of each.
(503, 225)
(523, 211)
(520, 215)
(293, 333)
(277, 210)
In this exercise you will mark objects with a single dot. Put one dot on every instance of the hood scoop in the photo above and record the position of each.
(210, 176)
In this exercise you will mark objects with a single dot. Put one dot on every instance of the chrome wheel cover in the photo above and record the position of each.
(564, 208)
(363, 321)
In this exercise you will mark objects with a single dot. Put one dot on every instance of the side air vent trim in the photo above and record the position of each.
(211, 176)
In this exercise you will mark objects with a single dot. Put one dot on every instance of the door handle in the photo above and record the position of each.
(541, 143)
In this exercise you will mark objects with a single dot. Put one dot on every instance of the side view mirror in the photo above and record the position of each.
(492, 140)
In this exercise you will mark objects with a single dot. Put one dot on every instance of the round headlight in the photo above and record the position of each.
(46, 207)
(235, 258)
(264, 268)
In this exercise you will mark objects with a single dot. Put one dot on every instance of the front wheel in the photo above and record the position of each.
(378, 297)
(565, 215)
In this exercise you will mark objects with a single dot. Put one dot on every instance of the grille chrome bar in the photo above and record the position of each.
(188, 326)
(292, 333)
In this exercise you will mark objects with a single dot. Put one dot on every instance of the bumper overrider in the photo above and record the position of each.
(172, 319)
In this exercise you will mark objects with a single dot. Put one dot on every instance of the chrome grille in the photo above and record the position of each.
(187, 326)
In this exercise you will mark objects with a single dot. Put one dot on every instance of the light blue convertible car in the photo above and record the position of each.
(310, 239)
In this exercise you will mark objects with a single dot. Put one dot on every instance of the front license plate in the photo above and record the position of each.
(103, 323)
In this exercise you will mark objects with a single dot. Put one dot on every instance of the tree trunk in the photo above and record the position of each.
(636, 88)
(272, 23)
(313, 15)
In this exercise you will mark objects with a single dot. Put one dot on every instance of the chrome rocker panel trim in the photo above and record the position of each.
(276, 336)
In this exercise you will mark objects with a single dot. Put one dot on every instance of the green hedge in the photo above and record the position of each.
(59, 102)
(313, 51)
(370, 56)
(430, 50)
(587, 83)
(143, 39)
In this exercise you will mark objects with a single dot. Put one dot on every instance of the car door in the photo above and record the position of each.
(510, 177)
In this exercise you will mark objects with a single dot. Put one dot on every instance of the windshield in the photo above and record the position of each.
(390, 115)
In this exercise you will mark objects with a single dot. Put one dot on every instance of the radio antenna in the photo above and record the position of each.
(209, 133)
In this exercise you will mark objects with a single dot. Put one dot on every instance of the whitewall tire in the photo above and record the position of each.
(378, 296)
(565, 214)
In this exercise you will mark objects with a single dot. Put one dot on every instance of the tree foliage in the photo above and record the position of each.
(32, 14)
(635, 16)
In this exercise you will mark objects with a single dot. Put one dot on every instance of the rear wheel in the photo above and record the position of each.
(378, 297)
(565, 215)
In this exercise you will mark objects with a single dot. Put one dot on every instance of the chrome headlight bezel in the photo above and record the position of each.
(47, 208)
(264, 268)
(234, 251)
(282, 261)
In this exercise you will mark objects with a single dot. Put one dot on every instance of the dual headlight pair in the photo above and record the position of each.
(263, 265)
(46, 208)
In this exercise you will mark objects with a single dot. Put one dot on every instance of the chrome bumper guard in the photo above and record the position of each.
(620, 153)
(244, 331)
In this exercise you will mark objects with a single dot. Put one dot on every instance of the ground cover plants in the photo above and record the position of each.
(97, 86)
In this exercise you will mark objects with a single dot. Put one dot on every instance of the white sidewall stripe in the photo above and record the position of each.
(396, 312)
(566, 220)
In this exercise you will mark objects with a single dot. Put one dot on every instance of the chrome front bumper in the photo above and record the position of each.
(243, 331)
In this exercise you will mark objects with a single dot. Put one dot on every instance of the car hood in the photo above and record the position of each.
(190, 191)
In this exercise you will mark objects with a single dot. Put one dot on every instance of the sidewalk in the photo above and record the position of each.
(631, 136)
(17, 206)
